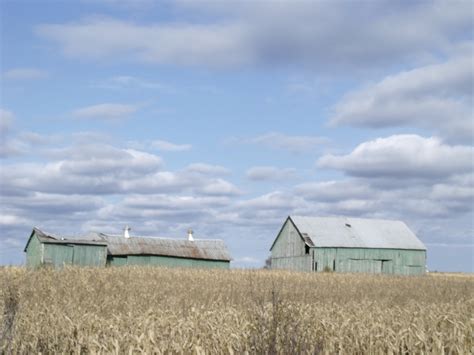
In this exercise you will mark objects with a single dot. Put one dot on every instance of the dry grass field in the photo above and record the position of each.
(154, 310)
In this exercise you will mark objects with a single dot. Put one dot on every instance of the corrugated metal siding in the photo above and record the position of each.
(33, 252)
(57, 255)
(89, 255)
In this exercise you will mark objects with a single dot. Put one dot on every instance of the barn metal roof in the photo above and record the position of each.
(207, 249)
(211, 249)
(50, 238)
(348, 232)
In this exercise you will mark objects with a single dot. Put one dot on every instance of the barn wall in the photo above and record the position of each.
(116, 260)
(289, 250)
(297, 263)
(166, 261)
(89, 255)
(389, 261)
(33, 252)
(57, 255)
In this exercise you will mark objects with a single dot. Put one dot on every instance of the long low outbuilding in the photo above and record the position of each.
(345, 244)
(100, 249)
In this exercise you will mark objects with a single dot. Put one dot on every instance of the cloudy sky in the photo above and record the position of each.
(228, 116)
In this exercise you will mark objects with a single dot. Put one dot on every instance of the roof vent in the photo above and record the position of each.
(190, 235)
(126, 233)
(348, 225)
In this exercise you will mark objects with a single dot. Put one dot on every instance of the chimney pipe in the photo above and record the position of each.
(126, 233)
(190, 235)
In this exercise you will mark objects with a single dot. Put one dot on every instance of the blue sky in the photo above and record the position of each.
(228, 116)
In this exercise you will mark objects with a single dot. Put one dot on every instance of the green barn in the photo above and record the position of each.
(99, 249)
(343, 244)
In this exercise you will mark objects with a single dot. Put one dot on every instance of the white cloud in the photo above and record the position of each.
(85, 169)
(219, 187)
(11, 220)
(293, 144)
(334, 190)
(105, 111)
(322, 35)
(403, 156)
(164, 202)
(171, 43)
(266, 173)
(438, 97)
(24, 74)
(276, 200)
(207, 169)
(170, 147)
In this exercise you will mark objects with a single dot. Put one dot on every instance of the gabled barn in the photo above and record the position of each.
(345, 244)
(99, 249)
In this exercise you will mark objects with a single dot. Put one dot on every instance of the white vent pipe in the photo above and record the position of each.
(126, 233)
(190, 235)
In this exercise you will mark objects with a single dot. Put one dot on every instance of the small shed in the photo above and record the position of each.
(344, 244)
(99, 249)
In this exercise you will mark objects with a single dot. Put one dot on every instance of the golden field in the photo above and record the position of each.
(157, 310)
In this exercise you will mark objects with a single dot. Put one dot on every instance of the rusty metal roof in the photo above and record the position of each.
(207, 249)
(50, 238)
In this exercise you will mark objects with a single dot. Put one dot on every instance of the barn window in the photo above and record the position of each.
(306, 249)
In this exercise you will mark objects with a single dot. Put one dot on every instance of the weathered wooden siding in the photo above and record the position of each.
(34, 252)
(89, 255)
(166, 261)
(389, 261)
(57, 255)
(116, 260)
(289, 251)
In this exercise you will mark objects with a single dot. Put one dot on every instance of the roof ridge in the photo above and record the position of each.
(152, 237)
(349, 217)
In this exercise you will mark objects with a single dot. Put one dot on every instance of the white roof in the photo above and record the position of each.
(348, 232)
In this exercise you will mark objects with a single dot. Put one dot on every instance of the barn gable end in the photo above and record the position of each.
(289, 250)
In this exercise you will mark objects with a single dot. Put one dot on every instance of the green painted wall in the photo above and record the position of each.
(116, 260)
(388, 261)
(290, 252)
(57, 255)
(89, 255)
(33, 252)
(167, 261)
